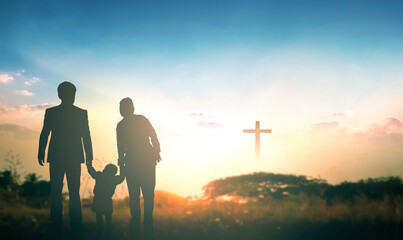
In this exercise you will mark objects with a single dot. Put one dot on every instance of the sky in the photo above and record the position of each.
(325, 76)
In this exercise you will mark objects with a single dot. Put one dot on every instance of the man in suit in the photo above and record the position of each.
(139, 156)
(69, 127)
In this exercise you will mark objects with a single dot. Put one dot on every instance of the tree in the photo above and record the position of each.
(33, 191)
(372, 188)
(263, 185)
(14, 165)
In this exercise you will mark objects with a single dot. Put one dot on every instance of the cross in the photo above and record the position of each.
(257, 132)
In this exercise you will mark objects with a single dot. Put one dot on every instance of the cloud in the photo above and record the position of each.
(393, 123)
(325, 126)
(25, 93)
(390, 130)
(19, 72)
(388, 126)
(18, 132)
(340, 114)
(196, 114)
(32, 81)
(343, 114)
(4, 110)
(5, 78)
(209, 124)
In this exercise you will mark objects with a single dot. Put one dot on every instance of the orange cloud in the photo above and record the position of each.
(4, 110)
(391, 130)
(18, 132)
(209, 124)
(5, 78)
(25, 93)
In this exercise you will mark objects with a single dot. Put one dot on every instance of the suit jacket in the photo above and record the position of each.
(70, 131)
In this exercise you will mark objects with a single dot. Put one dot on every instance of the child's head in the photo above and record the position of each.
(110, 169)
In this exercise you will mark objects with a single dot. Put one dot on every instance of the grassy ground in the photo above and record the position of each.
(296, 217)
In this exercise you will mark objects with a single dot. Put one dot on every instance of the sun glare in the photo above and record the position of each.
(203, 142)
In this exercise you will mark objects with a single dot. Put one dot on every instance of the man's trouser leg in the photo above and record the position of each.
(56, 186)
(134, 195)
(73, 175)
(148, 186)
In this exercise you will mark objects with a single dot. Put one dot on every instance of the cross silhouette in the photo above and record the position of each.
(257, 132)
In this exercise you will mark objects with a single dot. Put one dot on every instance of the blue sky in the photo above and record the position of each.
(317, 72)
(164, 33)
(179, 28)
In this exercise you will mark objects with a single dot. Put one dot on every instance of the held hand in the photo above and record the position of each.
(156, 155)
(121, 162)
(122, 170)
(158, 158)
(41, 160)
(89, 163)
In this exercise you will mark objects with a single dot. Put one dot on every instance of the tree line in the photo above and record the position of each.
(31, 191)
(265, 186)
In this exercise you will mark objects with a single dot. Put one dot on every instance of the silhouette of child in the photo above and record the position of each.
(105, 185)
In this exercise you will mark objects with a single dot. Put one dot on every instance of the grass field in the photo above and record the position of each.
(295, 217)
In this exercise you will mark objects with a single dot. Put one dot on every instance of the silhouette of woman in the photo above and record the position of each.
(139, 156)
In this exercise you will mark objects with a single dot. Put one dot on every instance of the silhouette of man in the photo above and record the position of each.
(139, 156)
(69, 127)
